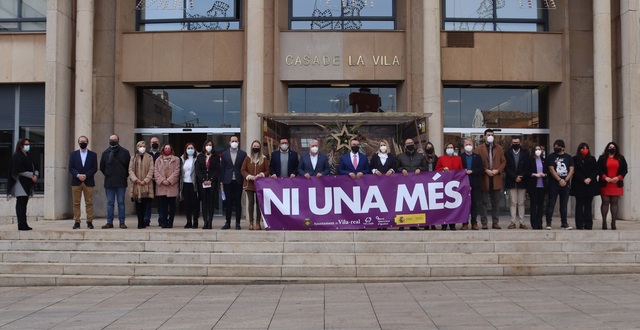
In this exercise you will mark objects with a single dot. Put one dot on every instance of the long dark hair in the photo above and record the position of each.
(185, 156)
(21, 142)
(580, 147)
(204, 147)
(617, 155)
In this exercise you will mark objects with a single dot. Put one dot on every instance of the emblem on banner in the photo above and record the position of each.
(411, 219)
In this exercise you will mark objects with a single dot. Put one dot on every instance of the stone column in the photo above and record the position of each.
(432, 90)
(602, 89)
(254, 78)
(58, 80)
(628, 116)
(84, 68)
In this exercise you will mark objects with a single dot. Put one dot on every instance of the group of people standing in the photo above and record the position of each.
(157, 173)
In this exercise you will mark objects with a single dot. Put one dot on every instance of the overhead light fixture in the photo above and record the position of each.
(339, 85)
(201, 86)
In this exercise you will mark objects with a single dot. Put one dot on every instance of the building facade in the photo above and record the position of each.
(191, 70)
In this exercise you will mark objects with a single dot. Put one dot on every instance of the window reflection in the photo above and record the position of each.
(188, 15)
(342, 15)
(23, 15)
(188, 107)
(496, 15)
(342, 99)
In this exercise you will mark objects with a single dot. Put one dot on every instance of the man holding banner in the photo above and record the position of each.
(314, 163)
(354, 164)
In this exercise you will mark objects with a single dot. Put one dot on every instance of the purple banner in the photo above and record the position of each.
(339, 202)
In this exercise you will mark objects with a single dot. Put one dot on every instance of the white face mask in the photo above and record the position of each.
(284, 147)
(142, 150)
(27, 148)
(234, 145)
(449, 151)
(208, 148)
(538, 153)
(383, 148)
(190, 152)
(468, 148)
(314, 150)
(490, 138)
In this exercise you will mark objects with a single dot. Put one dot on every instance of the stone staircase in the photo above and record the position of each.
(178, 256)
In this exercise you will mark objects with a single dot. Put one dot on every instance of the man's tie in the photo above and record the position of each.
(355, 162)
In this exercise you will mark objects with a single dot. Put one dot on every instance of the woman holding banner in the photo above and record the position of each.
(255, 166)
(449, 162)
(382, 162)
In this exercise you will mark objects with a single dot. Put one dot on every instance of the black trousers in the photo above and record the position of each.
(537, 210)
(584, 212)
(233, 201)
(141, 210)
(168, 207)
(207, 198)
(21, 211)
(191, 202)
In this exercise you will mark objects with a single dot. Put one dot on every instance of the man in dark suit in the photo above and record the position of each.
(314, 163)
(231, 181)
(472, 163)
(284, 162)
(354, 164)
(83, 165)
(114, 164)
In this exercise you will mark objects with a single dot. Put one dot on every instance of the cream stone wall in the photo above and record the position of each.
(22, 57)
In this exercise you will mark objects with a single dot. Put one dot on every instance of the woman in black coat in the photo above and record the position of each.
(22, 178)
(537, 173)
(584, 185)
(207, 171)
(382, 162)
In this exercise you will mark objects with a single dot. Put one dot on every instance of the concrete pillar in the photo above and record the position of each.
(628, 116)
(84, 68)
(58, 80)
(254, 78)
(432, 90)
(602, 70)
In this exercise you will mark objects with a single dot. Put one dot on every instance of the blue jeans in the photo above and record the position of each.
(113, 193)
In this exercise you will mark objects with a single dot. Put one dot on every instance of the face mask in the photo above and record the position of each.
(584, 152)
(27, 148)
(208, 148)
(429, 151)
(468, 148)
(557, 150)
(166, 152)
(538, 153)
(383, 148)
(113, 143)
(410, 148)
(490, 139)
(83, 145)
(234, 145)
(190, 152)
(515, 146)
(255, 150)
(355, 149)
(611, 150)
(284, 147)
(314, 150)
(142, 150)
(449, 151)
(154, 146)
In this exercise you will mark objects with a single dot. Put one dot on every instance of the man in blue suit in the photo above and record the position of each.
(354, 164)
(83, 165)
(231, 181)
(314, 163)
(284, 162)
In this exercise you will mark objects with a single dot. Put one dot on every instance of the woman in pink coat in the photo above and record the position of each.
(167, 176)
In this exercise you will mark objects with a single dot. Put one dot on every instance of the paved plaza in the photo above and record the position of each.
(549, 302)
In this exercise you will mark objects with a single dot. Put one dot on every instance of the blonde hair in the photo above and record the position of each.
(385, 143)
(140, 143)
(259, 159)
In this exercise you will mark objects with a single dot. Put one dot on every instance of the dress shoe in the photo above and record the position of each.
(123, 226)
(443, 227)
(433, 227)
(76, 225)
(485, 226)
(474, 226)
(401, 228)
(107, 226)
(613, 225)
(496, 226)
(25, 228)
(188, 225)
(465, 226)
(226, 226)
(512, 226)
(195, 224)
(523, 226)
(90, 225)
(251, 225)
(258, 226)
(238, 227)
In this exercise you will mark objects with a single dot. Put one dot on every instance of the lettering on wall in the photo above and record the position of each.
(335, 60)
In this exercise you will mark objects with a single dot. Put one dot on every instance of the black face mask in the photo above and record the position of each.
(113, 143)
(611, 150)
(83, 145)
(410, 148)
(429, 151)
(255, 150)
(557, 150)
(355, 149)
(515, 146)
(154, 146)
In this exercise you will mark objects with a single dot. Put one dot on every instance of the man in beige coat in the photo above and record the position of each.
(494, 162)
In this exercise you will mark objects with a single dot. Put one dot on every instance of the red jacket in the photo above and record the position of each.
(451, 162)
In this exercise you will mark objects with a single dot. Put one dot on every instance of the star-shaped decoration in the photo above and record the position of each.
(343, 138)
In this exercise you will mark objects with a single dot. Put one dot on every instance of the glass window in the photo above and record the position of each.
(496, 15)
(342, 15)
(23, 15)
(341, 99)
(188, 107)
(24, 103)
(188, 15)
(517, 107)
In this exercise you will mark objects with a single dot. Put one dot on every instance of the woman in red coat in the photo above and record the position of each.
(449, 162)
(612, 167)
